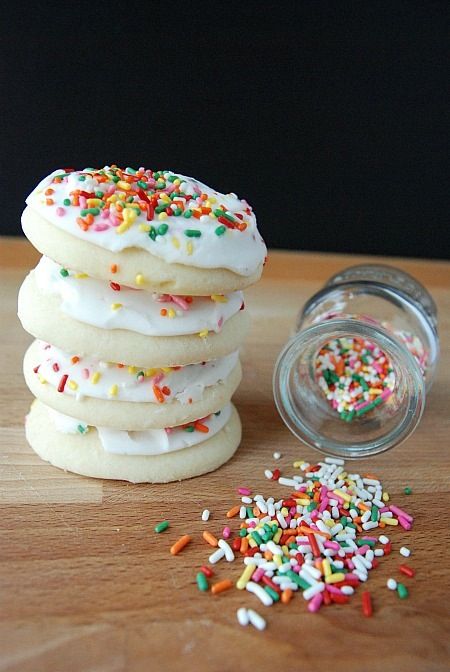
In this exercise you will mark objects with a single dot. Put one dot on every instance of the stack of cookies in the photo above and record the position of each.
(138, 312)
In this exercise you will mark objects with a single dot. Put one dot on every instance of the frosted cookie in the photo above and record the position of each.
(155, 230)
(125, 397)
(153, 456)
(114, 323)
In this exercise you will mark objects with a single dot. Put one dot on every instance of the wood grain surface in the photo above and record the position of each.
(86, 585)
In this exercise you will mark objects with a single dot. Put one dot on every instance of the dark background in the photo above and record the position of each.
(330, 118)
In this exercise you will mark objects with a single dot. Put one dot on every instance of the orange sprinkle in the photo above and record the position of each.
(180, 544)
(200, 427)
(158, 394)
(210, 538)
(89, 219)
(244, 545)
(220, 586)
(49, 201)
(82, 224)
(74, 359)
(113, 268)
(49, 191)
(163, 312)
(286, 596)
(233, 511)
(363, 507)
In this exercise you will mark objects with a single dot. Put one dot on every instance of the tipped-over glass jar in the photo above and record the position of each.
(353, 379)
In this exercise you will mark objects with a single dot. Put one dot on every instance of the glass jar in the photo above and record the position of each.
(352, 381)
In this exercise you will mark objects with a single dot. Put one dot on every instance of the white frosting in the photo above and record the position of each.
(148, 442)
(239, 251)
(94, 302)
(122, 383)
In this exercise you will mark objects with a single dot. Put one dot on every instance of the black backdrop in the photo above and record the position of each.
(330, 118)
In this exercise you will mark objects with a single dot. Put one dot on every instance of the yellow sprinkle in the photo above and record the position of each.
(149, 373)
(297, 465)
(94, 202)
(113, 198)
(124, 226)
(73, 385)
(343, 494)
(162, 215)
(329, 522)
(252, 543)
(166, 369)
(95, 377)
(139, 279)
(212, 199)
(285, 511)
(375, 390)
(245, 577)
(305, 502)
(219, 298)
(389, 521)
(164, 198)
(175, 242)
(285, 550)
(42, 379)
(277, 560)
(189, 248)
(132, 369)
(177, 181)
(277, 535)
(385, 497)
(81, 275)
(121, 184)
(113, 390)
(326, 567)
(204, 333)
(116, 306)
(171, 313)
(145, 228)
(335, 578)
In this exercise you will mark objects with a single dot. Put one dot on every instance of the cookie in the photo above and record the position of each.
(124, 397)
(84, 453)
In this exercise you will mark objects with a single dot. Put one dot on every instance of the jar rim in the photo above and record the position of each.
(296, 419)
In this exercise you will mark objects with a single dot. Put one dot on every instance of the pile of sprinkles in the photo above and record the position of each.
(320, 540)
(119, 198)
(355, 375)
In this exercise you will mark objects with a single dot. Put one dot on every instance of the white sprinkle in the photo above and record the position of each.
(273, 548)
(276, 456)
(405, 552)
(260, 593)
(287, 481)
(216, 556)
(391, 584)
(246, 500)
(347, 590)
(334, 460)
(268, 474)
(242, 512)
(242, 616)
(378, 552)
(314, 590)
(205, 515)
(369, 525)
(256, 620)
(229, 555)
(383, 539)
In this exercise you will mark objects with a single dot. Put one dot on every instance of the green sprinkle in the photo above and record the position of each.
(99, 194)
(298, 579)
(152, 233)
(311, 506)
(402, 591)
(202, 582)
(374, 514)
(227, 216)
(249, 512)
(131, 171)
(189, 429)
(273, 593)
(160, 208)
(364, 542)
(192, 233)
(66, 201)
(142, 185)
(82, 429)
(162, 229)
(163, 525)
(90, 211)
(187, 213)
(407, 491)
(177, 212)
(220, 230)
(64, 272)
(243, 532)
(257, 538)
(82, 178)
(115, 178)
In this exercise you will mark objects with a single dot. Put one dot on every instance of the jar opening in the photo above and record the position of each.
(320, 383)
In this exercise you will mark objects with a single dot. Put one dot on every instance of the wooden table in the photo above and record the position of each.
(87, 585)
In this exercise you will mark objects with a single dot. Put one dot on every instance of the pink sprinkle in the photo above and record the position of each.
(350, 564)
(83, 202)
(226, 532)
(404, 523)
(111, 189)
(334, 590)
(363, 549)
(244, 491)
(332, 544)
(315, 603)
(400, 512)
(387, 393)
(323, 506)
(169, 430)
(101, 227)
(366, 538)
(105, 213)
(180, 302)
(257, 574)
(85, 373)
(352, 577)
(60, 211)
(219, 323)
(158, 378)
